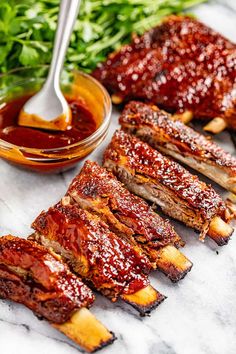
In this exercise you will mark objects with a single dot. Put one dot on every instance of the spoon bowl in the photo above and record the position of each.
(55, 111)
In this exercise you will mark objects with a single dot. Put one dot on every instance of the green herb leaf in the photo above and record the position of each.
(27, 29)
(28, 56)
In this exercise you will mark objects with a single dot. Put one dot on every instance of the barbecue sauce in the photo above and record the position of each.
(111, 264)
(83, 125)
(37, 278)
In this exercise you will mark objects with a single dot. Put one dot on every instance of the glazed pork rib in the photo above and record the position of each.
(174, 138)
(183, 66)
(130, 217)
(37, 278)
(180, 194)
(110, 264)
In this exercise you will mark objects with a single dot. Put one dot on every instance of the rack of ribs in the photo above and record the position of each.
(183, 66)
(174, 138)
(130, 217)
(181, 195)
(105, 261)
(33, 276)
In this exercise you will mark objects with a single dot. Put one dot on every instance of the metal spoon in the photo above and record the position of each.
(48, 108)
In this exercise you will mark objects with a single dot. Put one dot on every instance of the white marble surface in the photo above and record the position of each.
(199, 316)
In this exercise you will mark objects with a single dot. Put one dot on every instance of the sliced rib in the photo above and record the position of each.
(180, 194)
(174, 138)
(110, 264)
(130, 217)
(37, 278)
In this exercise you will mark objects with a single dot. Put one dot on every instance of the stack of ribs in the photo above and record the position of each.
(100, 257)
(130, 217)
(37, 278)
(183, 66)
(181, 195)
(174, 138)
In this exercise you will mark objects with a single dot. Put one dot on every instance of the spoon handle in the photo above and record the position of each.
(68, 13)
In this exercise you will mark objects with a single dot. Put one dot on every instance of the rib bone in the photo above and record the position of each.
(185, 117)
(84, 329)
(144, 300)
(216, 125)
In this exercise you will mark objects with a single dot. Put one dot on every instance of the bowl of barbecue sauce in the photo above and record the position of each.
(44, 150)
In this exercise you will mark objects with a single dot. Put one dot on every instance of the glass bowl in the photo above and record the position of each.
(23, 81)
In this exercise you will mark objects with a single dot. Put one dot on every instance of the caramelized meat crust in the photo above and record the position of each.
(109, 263)
(180, 141)
(31, 275)
(150, 166)
(99, 190)
(137, 116)
(180, 65)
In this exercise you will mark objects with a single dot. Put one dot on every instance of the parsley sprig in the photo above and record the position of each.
(27, 29)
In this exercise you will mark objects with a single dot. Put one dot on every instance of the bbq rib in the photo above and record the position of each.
(110, 264)
(130, 217)
(181, 142)
(180, 194)
(37, 278)
(182, 65)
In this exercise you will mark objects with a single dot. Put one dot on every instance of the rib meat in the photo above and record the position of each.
(181, 65)
(37, 278)
(174, 138)
(110, 264)
(130, 217)
(31, 275)
(180, 194)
